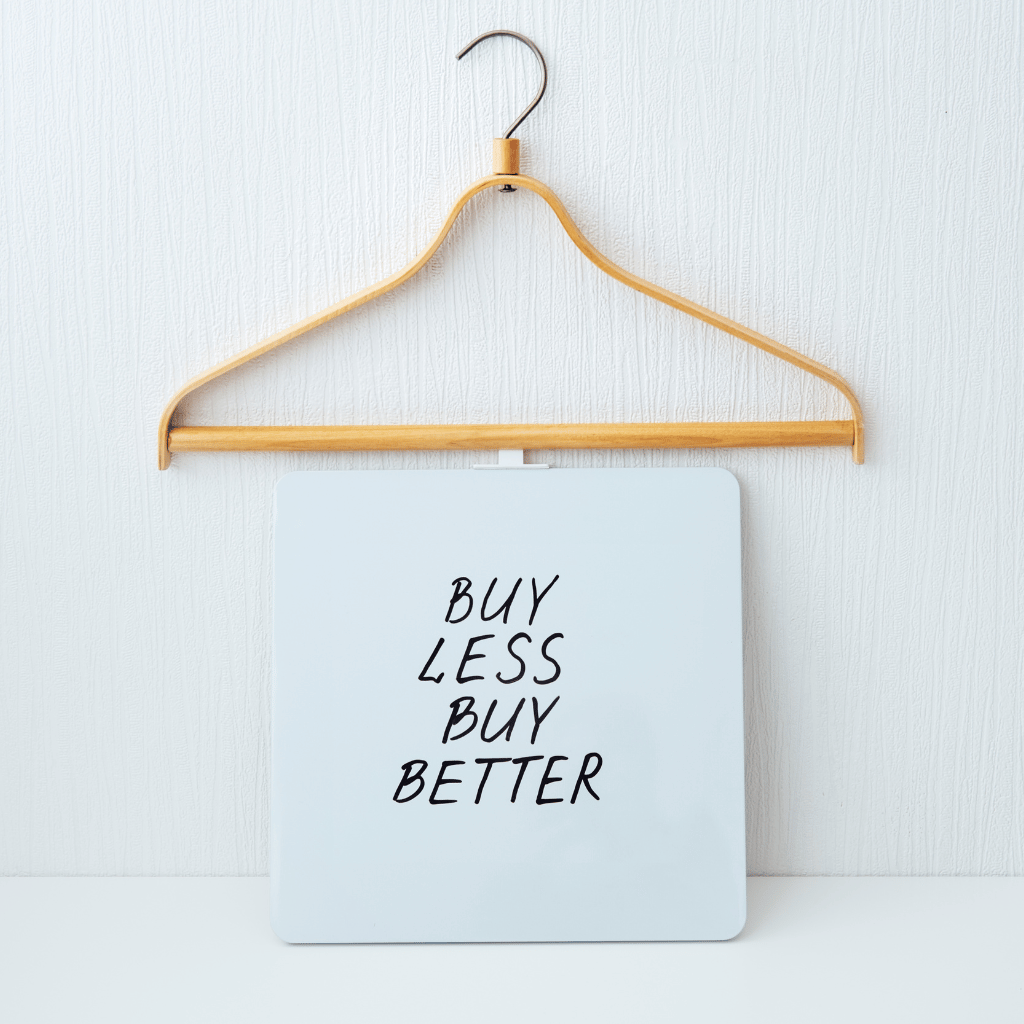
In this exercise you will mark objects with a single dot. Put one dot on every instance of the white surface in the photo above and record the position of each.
(842, 950)
(180, 180)
(627, 609)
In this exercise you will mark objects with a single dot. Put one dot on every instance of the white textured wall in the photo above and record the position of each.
(181, 180)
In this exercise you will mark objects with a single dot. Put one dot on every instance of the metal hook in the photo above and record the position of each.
(543, 67)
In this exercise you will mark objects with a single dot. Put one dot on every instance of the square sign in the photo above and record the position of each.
(508, 706)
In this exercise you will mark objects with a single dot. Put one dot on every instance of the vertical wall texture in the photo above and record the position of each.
(181, 180)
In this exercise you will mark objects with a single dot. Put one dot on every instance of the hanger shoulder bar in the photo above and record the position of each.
(723, 323)
(346, 305)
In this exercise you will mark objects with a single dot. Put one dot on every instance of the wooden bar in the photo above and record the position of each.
(528, 435)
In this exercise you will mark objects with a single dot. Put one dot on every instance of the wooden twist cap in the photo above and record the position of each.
(506, 156)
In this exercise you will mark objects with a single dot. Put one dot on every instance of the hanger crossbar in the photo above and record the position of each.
(480, 437)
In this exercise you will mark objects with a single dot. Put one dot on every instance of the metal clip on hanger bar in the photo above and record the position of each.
(845, 433)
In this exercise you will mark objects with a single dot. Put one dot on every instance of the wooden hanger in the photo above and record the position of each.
(511, 436)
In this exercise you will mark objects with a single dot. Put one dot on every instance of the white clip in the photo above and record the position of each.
(511, 458)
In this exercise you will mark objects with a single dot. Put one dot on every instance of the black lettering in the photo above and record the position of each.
(585, 777)
(423, 677)
(547, 779)
(506, 728)
(459, 595)
(504, 608)
(467, 657)
(442, 781)
(408, 780)
(547, 657)
(522, 664)
(522, 762)
(538, 717)
(537, 598)
(487, 762)
(458, 715)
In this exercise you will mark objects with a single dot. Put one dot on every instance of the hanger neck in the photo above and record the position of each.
(506, 156)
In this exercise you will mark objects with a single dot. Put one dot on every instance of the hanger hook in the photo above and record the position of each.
(536, 52)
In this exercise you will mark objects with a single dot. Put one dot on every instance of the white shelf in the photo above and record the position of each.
(826, 950)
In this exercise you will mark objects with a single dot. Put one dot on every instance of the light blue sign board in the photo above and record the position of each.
(626, 822)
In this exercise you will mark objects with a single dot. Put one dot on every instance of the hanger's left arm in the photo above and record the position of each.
(304, 326)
